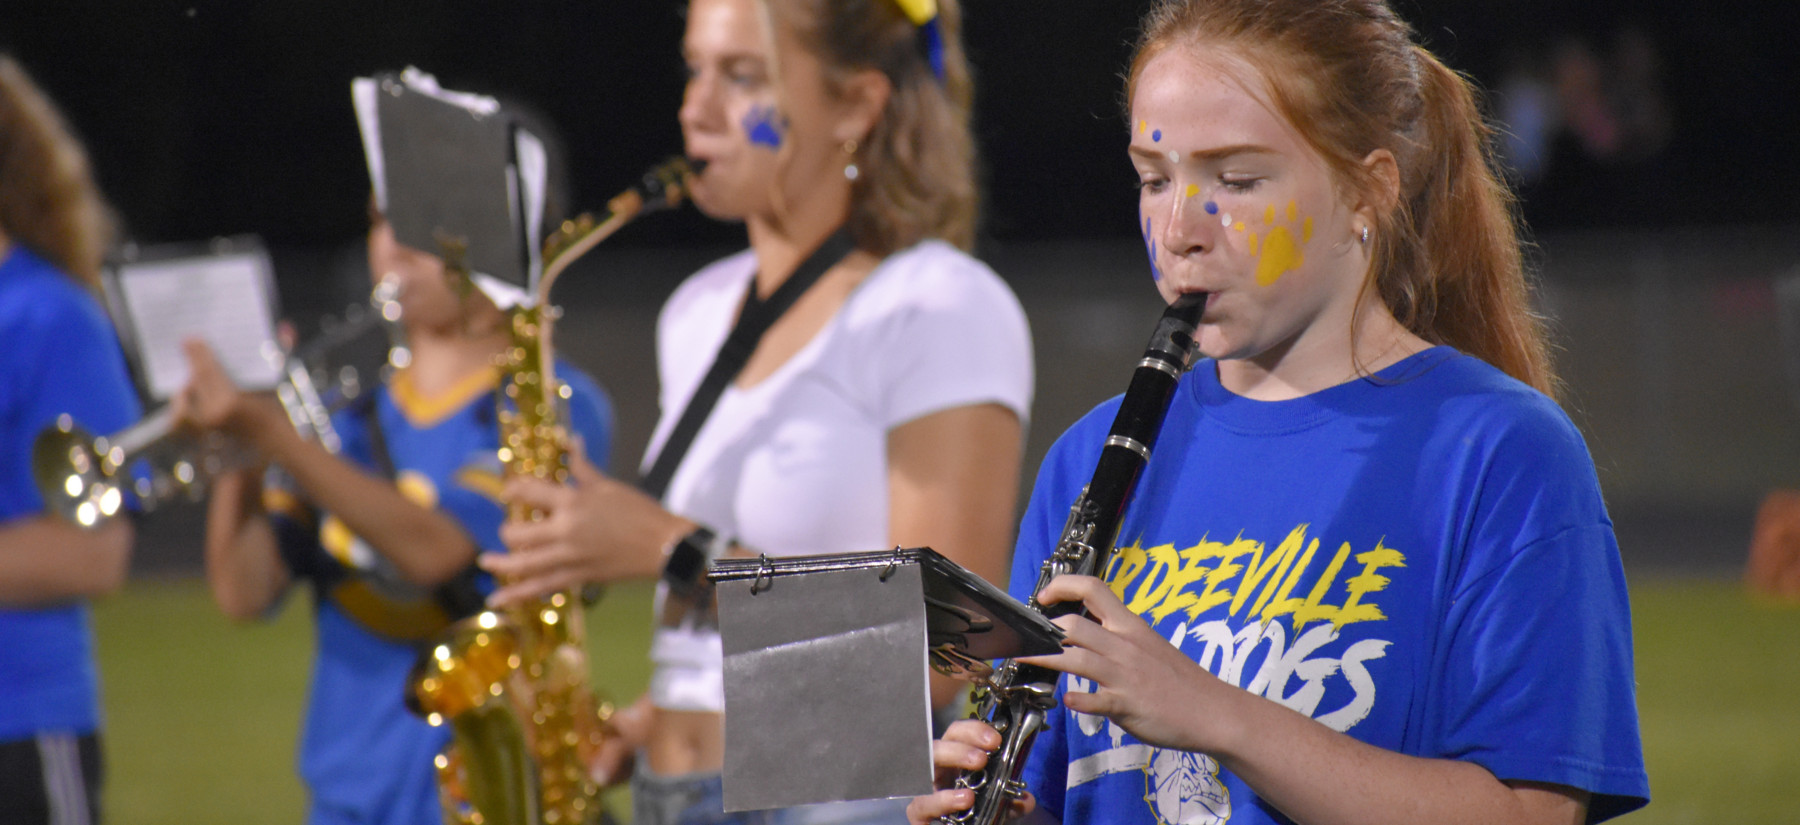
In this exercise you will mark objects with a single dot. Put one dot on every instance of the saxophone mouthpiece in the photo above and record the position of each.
(666, 185)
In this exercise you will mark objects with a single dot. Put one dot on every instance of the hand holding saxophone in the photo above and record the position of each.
(596, 529)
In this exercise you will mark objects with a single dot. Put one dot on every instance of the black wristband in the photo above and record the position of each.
(685, 568)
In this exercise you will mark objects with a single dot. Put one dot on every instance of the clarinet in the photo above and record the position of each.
(1016, 697)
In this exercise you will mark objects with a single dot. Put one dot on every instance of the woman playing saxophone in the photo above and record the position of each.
(884, 407)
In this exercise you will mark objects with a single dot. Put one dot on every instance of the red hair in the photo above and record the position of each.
(1447, 258)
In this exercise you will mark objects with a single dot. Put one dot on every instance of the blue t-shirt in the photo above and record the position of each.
(363, 755)
(1421, 560)
(58, 355)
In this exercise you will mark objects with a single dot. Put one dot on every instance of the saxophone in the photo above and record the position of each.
(512, 684)
(1015, 697)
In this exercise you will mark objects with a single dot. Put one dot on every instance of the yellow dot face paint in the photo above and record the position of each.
(1269, 214)
(1293, 211)
(1193, 189)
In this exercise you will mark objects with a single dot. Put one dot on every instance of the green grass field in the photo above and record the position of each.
(202, 715)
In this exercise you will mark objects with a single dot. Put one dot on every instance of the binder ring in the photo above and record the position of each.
(765, 575)
(893, 564)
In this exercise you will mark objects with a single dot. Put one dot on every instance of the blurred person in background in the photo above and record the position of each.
(885, 407)
(385, 532)
(58, 356)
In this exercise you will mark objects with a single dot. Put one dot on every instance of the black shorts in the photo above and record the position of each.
(53, 779)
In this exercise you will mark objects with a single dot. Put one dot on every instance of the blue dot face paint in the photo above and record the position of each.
(1156, 136)
(765, 126)
(1212, 208)
(1150, 247)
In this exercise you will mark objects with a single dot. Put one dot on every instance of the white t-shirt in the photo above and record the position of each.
(797, 464)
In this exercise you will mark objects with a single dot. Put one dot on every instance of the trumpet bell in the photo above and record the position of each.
(78, 483)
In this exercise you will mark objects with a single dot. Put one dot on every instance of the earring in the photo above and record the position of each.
(850, 171)
(1365, 236)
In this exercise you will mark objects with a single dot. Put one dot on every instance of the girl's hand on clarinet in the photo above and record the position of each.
(966, 746)
(595, 529)
(1141, 682)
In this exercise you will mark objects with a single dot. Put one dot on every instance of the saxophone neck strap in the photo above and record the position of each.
(756, 317)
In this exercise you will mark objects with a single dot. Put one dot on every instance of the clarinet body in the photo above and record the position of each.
(1015, 699)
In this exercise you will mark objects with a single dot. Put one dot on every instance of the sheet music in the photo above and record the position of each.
(362, 98)
(223, 300)
(442, 166)
(533, 174)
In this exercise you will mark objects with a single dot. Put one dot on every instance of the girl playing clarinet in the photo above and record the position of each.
(1367, 575)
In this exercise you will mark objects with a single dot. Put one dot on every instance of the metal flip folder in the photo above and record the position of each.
(826, 696)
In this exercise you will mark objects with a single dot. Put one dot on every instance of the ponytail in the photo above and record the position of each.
(48, 201)
(1454, 270)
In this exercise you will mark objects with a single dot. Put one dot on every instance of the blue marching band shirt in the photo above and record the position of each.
(58, 355)
(363, 755)
(1420, 559)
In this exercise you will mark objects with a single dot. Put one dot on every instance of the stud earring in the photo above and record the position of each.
(851, 173)
(1365, 236)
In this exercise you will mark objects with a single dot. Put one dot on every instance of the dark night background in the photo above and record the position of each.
(1658, 252)
(210, 118)
(1668, 265)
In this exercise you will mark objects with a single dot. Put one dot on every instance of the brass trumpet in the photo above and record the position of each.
(83, 478)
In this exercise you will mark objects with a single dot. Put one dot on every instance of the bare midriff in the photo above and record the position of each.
(685, 741)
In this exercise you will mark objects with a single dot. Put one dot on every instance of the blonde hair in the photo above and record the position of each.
(917, 166)
(1447, 259)
(48, 200)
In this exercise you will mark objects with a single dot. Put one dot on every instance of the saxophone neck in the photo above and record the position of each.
(532, 440)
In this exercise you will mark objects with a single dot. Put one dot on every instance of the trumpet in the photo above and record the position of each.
(83, 479)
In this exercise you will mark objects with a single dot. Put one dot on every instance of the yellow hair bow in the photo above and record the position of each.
(919, 12)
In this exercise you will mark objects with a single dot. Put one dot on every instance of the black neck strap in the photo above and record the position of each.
(754, 320)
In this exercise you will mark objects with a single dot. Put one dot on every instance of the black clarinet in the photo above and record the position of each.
(1017, 695)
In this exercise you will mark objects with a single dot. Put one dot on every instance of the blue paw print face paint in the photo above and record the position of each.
(765, 126)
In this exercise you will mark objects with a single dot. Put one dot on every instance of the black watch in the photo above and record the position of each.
(685, 568)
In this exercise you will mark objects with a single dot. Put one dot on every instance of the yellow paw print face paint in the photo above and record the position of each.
(1273, 243)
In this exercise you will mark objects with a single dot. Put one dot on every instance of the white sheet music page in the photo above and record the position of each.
(222, 299)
